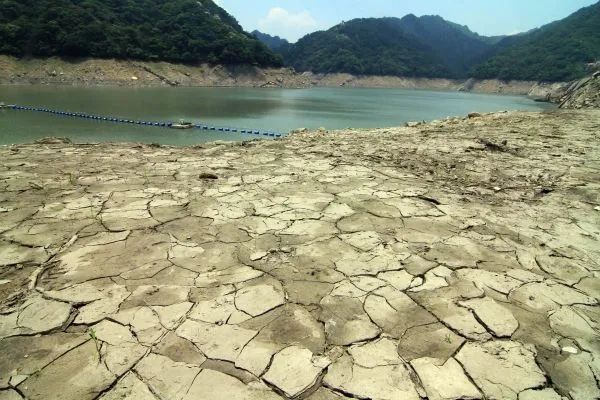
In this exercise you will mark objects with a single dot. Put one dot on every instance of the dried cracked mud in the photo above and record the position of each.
(453, 260)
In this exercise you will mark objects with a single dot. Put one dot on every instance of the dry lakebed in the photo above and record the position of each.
(458, 259)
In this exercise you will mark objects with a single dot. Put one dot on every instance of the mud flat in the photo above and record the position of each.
(453, 260)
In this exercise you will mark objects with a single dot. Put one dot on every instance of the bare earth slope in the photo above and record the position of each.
(583, 94)
(95, 72)
(452, 260)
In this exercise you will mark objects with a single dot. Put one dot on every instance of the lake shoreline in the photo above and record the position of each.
(96, 72)
(92, 113)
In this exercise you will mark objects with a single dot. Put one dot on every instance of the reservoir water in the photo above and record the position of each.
(278, 110)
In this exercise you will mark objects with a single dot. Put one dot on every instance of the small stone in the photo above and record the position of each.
(208, 176)
(258, 255)
(570, 350)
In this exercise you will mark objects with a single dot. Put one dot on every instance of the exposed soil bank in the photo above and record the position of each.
(94, 72)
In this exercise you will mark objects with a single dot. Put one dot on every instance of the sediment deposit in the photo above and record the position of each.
(452, 260)
(96, 72)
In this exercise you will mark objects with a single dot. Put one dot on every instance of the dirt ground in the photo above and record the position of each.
(452, 260)
(94, 72)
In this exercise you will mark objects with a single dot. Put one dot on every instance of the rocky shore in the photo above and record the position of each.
(452, 260)
(132, 73)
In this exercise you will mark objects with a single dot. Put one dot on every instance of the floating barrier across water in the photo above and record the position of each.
(160, 124)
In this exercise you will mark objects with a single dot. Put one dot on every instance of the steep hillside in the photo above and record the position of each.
(556, 52)
(583, 94)
(456, 45)
(418, 46)
(370, 46)
(274, 43)
(176, 30)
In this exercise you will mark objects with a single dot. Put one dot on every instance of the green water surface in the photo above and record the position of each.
(278, 110)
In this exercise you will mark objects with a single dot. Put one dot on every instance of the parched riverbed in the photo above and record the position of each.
(451, 260)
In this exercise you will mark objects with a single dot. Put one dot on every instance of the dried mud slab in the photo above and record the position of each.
(452, 260)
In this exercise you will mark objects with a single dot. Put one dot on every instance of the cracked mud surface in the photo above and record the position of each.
(453, 260)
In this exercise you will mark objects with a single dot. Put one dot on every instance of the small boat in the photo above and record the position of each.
(182, 125)
(2, 105)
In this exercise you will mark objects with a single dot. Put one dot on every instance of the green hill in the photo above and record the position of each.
(458, 47)
(274, 43)
(556, 52)
(426, 46)
(176, 30)
(370, 46)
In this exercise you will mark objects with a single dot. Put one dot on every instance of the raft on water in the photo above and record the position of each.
(182, 125)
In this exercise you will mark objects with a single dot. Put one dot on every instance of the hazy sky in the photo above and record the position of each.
(293, 19)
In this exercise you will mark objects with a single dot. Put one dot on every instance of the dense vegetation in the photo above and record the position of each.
(556, 52)
(458, 47)
(174, 30)
(411, 46)
(370, 46)
(194, 31)
(274, 43)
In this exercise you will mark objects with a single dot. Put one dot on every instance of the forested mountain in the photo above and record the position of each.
(412, 46)
(192, 31)
(274, 43)
(556, 52)
(174, 30)
(370, 46)
(456, 45)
